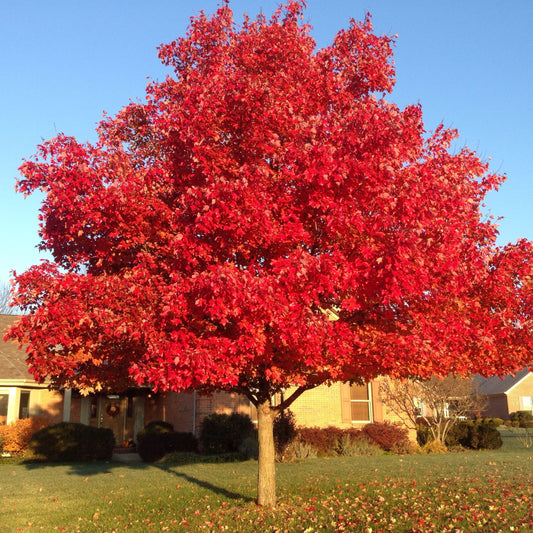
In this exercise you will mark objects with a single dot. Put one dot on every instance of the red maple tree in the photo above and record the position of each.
(266, 221)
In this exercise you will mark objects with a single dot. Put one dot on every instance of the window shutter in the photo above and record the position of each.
(346, 407)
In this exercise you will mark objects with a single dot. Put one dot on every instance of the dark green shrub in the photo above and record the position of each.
(494, 422)
(423, 434)
(221, 433)
(155, 446)
(459, 434)
(154, 428)
(249, 448)
(483, 436)
(386, 435)
(473, 434)
(284, 430)
(68, 441)
(522, 419)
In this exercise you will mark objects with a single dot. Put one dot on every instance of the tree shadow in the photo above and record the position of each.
(93, 468)
(209, 486)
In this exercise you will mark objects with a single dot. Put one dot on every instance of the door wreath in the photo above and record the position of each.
(113, 409)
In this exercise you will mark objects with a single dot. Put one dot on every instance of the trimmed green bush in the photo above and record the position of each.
(69, 441)
(459, 435)
(249, 448)
(221, 433)
(473, 434)
(423, 434)
(484, 437)
(284, 430)
(522, 419)
(494, 422)
(157, 427)
(155, 446)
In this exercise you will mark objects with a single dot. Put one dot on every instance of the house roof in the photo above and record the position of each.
(12, 360)
(497, 385)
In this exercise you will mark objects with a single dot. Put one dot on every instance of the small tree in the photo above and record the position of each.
(440, 403)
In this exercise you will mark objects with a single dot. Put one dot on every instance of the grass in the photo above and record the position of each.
(456, 492)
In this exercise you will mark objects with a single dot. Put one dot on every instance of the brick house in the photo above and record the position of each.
(340, 404)
(507, 395)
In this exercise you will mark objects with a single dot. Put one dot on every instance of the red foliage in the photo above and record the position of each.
(213, 232)
(325, 440)
(386, 435)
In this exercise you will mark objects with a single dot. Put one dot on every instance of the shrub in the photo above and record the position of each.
(15, 437)
(434, 446)
(284, 431)
(386, 435)
(155, 446)
(221, 433)
(154, 428)
(522, 419)
(300, 450)
(349, 446)
(459, 435)
(494, 422)
(324, 441)
(68, 441)
(405, 448)
(473, 434)
(483, 437)
(423, 434)
(249, 448)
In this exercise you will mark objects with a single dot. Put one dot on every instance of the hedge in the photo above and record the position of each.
(69, 441)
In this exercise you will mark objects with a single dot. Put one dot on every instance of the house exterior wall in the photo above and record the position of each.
(176, 408)
(321, 407)
(42, 402)
(523, 389)
(497, 406)
(220, 402)
(503, 404)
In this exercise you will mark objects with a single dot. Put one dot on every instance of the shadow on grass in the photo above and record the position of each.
(92, 468)
(209, 486)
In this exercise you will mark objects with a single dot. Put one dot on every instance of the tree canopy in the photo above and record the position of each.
(266, 219)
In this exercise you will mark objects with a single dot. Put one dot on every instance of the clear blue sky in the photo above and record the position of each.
(470, 65)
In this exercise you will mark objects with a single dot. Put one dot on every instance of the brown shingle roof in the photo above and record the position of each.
(12, 360)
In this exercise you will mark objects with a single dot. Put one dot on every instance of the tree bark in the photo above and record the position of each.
(266, 479)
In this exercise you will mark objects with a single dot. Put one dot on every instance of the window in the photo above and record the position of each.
(526, 403)
(420, 408)
(360, 402)
(4, 401)
(24, 404)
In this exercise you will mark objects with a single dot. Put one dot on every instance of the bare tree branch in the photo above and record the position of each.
(5, 297)
(440, 403)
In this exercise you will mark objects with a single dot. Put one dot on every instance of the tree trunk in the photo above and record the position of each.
(266, 479)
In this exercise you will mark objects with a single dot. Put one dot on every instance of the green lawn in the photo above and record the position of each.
(456, 492)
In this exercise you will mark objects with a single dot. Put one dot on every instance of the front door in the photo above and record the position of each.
(113, 415)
